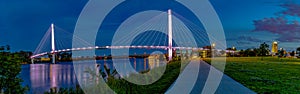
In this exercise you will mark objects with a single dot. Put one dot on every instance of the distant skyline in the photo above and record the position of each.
(23, 23)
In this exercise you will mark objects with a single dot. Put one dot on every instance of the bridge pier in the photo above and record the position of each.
(32, 60)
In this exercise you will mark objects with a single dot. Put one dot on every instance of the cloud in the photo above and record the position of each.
(249, 38)
(245, 39)
(287, 30)
(289, 37)
(277, 25)
(292, 9)
(243, 43)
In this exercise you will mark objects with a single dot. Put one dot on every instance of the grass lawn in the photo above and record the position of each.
(265, 74)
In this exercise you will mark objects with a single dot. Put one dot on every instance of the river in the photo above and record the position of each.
(41, 77)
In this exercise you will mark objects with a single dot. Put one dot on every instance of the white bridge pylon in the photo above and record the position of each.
(170, 35)
(53, 43)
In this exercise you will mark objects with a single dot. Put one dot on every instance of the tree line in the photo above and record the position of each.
(263, 50)
(10, 67)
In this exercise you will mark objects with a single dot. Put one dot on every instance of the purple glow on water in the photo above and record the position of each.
(41, 77)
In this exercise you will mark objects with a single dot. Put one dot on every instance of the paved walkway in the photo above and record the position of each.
(227, 84)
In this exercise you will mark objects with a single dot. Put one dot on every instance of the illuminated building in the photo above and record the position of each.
(274, 48)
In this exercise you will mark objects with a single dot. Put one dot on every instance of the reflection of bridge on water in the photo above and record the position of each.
(43, 77)
(173, 27)
(46, 76)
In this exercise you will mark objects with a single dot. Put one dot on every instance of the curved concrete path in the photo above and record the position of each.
(227, 84)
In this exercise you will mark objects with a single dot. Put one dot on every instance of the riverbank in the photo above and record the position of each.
(122, 86)
(265, 74)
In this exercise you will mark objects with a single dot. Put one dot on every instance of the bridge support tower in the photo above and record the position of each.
(53, 43)
(170, 48)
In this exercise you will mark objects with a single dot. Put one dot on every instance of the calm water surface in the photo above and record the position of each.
(42, 77)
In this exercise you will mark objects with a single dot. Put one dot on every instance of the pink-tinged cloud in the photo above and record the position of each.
(289, 31)
(276, 25)
(291, 9)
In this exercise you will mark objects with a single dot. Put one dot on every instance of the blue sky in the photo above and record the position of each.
(23, 23)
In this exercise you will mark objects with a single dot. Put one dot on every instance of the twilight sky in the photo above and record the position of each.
(247, 23)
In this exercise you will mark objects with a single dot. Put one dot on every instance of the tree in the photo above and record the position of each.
(7, 47)
(293, 53)
(298, 51)
(2, 48)
(65, 56)
(255, 52)
(233, 49)
(24, 56)
(263, 50)
(242, 53)
(10, 67)
(281, 53)
(250, 52)
(223, 52)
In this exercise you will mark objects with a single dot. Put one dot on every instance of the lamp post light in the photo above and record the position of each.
(233, 49)
(213, 49)
(213, 45)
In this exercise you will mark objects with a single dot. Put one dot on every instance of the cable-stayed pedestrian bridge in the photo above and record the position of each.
(167, 31)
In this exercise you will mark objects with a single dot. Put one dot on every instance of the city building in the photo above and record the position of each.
(274, 50)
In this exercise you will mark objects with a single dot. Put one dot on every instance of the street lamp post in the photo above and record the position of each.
(233, 48)
(213, 49)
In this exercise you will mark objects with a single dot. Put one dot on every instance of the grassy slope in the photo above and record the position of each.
(265, 75)
(159, 87)
(121, 86)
